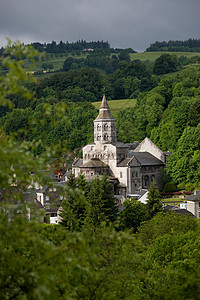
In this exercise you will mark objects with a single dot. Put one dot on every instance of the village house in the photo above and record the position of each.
(193, 203)
(51, 198)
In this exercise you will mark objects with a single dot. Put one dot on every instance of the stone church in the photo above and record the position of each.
(130, 167)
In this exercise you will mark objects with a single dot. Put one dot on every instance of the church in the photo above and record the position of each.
(130, 167)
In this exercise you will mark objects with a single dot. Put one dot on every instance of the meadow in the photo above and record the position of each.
(57, 60)
(117, 105)
(152, 56)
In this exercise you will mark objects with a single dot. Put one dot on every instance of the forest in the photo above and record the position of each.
(190, 45)
(96, 252)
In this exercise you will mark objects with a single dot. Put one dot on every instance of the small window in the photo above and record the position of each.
(61, 197)
(199, 204)
(92, 174)
(121, 175)
(87, 172)
(136, 174)
(105, 127)
(50, 190)
(47, 198)
(54, 189)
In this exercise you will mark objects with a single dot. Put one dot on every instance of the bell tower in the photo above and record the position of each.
(105, 124)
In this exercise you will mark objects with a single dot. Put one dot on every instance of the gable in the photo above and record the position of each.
(148, 146)
(134, 162)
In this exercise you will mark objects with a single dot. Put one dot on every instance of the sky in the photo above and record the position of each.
(123, 23)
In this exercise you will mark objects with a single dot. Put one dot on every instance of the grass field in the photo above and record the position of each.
(152, 56)
(57, 62)
(117, 105)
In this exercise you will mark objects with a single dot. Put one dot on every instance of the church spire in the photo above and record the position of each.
(105, 124)
(104, 111)
(104, 103)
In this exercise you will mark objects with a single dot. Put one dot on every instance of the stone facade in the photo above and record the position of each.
(193, 203)
(130, 166)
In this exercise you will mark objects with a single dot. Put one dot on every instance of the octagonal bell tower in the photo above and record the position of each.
(105, 124)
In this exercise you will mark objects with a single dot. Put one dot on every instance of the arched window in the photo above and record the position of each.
(105, 127)
(146, 180)
(152, 178)
(105, 137)
(98, 127)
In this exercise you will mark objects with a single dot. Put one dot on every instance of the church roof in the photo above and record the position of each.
(144, 158)
(124, 163)
(78, 162)
(104, 111)
(94, 163)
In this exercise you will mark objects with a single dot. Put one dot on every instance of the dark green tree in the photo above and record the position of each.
(102, 203)
(133, 214)
(153, 200)
(123, 55)
(165, 64)
(72, 181)
(73, 209)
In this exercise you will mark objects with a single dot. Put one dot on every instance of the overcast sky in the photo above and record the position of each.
(123, 23)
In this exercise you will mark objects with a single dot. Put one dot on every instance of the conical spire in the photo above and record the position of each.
(104, 110)
(104, 103)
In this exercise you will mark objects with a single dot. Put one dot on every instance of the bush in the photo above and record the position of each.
(170, 187)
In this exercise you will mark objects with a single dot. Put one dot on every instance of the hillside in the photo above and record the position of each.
(53, 62)
(117, 105)
(152, 56)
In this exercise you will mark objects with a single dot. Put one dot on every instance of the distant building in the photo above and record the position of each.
(51, 198)
(130, 167)
(193, 203)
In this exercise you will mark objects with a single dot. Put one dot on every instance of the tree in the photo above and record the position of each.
(133, 214)
(102, 203)
(153, 200)
(165, 64)
(73, 209)
(123, 55)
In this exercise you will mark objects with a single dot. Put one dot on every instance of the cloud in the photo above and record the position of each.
(127, 23)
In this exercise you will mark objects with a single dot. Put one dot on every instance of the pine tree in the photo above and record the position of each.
(73, 211)
(95, 213)
(102, 202)
(153, 200)
(109, 205)
(83, 184)
(72, 182)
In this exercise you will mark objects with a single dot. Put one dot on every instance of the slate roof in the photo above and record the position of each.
(94, 163)
(78, 162)
(104, 110)
(145, 158)
(193, 197)
(43, 189)
(124, 163)
(178, 210)
(119, 144)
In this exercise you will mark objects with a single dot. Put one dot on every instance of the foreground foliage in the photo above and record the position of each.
(43, 261)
